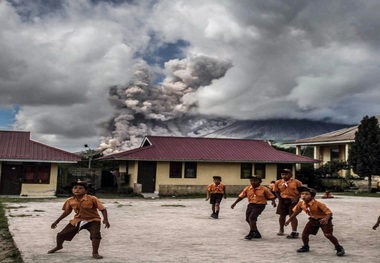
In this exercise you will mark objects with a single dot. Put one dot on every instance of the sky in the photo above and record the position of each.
(105, 73)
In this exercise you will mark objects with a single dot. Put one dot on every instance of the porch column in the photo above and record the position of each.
(316, 156)
(133, 169)
(346, 150)
(298, 152)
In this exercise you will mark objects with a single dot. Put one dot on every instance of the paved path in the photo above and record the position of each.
(173, 230)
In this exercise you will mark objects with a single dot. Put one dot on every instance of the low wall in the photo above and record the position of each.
(362, 185)
(92, 175)
(334, 183)
(170, 190)
(341, 184)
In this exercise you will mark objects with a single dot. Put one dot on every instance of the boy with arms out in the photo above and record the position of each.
(320, 217)
(257, 197)
(215, 192)
(86, 217)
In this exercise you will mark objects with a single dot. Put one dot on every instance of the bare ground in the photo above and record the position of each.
(173, 230)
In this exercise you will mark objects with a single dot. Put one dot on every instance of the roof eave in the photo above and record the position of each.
(210, 160)
(319, 143)
(36, 161)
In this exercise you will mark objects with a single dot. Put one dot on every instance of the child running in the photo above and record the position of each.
(215, 192)
(320, 216)
(288, 196)
(257, 198)
(86, 217)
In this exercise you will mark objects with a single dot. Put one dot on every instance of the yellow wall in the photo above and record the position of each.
(42, 189)
(132, 171)
(123, 167)
(343, 152)
(325, 152)
(230, 173)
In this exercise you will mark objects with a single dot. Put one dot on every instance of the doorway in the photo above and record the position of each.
(11, 178)
(146, 176)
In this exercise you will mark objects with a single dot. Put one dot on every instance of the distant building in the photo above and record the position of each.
(27, 167)
(332, 146)
(185, 165)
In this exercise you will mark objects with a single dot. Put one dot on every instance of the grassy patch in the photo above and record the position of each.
(173, 205)
(14, 207)
(358, 194)
(190, 196)
(7, 241)
(194, 196)
(25, 200)
(22, 215)
(121, 205)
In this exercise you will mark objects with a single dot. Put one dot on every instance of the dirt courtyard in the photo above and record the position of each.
(181, 230)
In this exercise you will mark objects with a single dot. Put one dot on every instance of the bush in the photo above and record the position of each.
(125, 190)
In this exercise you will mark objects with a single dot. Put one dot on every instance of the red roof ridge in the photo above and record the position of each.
(175, 148)
(17, 145)
(54, 148)
(204, 138)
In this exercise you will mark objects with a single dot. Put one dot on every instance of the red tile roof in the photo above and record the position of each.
(162, 148)
(345, 135)
(17, 146)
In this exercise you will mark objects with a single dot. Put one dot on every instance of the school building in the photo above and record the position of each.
(185, 165)
(27, 167)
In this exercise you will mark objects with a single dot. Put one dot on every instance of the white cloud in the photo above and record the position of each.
(303, 59)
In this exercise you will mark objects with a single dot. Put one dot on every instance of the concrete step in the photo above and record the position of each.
(150, 195)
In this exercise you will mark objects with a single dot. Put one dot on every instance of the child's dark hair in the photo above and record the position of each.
(255, 177)
(82, 183)
(312, 191)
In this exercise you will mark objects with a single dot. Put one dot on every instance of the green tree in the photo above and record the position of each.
(331, 168)
(364, 155)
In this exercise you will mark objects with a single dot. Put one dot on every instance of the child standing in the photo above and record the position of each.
(320, 217)
(288, 196)
(86, 217)
(257, 198)
(215, 192)
(327, 195)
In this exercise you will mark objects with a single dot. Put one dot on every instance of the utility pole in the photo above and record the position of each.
(90, 155)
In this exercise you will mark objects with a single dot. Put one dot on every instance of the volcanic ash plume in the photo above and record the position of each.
(170, 109)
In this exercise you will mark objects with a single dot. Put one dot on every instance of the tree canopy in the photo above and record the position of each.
(364, 155)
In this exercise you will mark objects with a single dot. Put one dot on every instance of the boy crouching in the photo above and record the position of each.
(86, 209)
(320, 217)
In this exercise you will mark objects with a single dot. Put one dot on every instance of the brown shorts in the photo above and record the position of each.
(285, 207)
(253, 211)
(312, 227)
(216, 198)
(70, 231)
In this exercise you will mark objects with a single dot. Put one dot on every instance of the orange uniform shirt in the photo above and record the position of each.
(258, 195)
(314, 209)
(287, 189)
(216, 189)
(85, 210)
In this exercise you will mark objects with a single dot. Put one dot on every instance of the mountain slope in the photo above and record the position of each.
(279, 130)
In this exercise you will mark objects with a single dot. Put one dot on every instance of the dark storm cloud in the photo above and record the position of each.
(286, 59)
